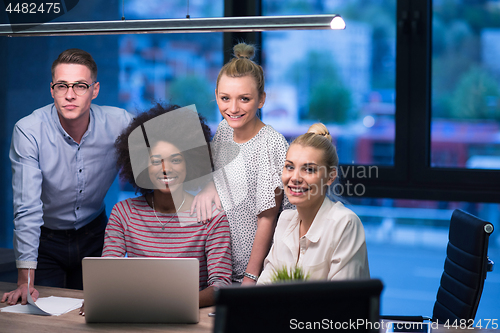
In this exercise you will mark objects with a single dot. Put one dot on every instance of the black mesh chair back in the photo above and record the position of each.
(465, 268)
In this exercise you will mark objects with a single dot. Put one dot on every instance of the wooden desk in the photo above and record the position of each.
(73, 322)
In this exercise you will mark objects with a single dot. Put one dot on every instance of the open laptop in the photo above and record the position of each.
(352, 305)
(141, 290)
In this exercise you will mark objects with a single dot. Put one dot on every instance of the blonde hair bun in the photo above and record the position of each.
(243, 50)
(242, 65)
(318, 137)
(320, 129)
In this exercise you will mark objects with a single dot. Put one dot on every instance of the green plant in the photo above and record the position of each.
(288, 275)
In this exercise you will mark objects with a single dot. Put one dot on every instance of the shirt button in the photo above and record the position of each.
(78, 148)
(77, 208)
(80, 170)
(80, 191)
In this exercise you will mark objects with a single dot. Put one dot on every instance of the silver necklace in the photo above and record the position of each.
(154, 211)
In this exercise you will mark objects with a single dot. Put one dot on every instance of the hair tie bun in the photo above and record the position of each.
(320, 129)
(243, 50)
(318, 136)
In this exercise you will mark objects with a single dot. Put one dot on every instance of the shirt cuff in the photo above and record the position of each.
(26, 264)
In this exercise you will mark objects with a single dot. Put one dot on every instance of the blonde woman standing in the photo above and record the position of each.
(249, 157)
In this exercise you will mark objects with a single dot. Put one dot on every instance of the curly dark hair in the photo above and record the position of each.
(198, 160)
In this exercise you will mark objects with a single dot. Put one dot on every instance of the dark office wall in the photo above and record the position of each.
(5, 208)
(22, 80)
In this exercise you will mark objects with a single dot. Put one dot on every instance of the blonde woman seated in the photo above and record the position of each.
(324, 238)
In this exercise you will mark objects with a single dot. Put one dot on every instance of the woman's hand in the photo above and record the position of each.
(202, 202)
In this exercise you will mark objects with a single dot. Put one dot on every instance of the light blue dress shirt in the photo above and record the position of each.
(57, 182)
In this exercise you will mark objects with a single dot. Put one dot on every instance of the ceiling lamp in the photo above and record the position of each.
(184, 25)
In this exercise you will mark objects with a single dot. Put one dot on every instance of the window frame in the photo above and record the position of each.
(411, 176)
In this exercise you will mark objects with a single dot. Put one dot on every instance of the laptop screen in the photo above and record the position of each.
(141, 290)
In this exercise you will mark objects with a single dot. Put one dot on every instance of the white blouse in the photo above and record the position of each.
(246, 175)
(333, 248)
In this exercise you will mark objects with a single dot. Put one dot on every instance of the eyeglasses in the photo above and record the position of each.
(80, 88)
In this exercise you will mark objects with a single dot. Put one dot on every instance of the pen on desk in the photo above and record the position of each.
(211, 314)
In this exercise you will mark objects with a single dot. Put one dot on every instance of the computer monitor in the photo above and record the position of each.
(342, 305)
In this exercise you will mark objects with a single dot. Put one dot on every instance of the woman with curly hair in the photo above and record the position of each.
(164, 153)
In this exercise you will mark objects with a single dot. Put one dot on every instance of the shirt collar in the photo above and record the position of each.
(57, 121)
(316, 229)
(292, 232)
(90, 128)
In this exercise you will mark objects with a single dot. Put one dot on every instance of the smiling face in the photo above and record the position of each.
(305, 176)
(70, 106)
(167, 167)
(238, 100)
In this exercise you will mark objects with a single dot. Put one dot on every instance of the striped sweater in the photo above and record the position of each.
(133, 229)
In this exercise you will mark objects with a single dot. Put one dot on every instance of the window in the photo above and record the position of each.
(134, 70)
(176, 68)
(394, 122)
(345, 79)
(426, 166)
(466, 85)
(387, 159)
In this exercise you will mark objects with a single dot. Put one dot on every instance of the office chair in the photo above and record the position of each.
(465, 269)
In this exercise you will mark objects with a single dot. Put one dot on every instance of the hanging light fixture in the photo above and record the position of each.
(185, 25)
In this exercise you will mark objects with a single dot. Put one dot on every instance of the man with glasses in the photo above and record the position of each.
(63, 163)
